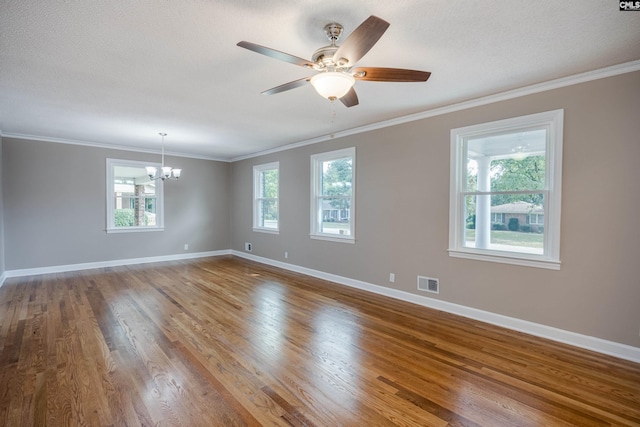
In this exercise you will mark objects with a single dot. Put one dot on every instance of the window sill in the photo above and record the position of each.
(514, 259)
(133, 229)
(334, 238)
(266, 230)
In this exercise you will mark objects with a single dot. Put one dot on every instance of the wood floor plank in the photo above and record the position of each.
(224, 341)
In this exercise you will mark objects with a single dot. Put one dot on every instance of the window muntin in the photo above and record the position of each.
(134, 202)
(505, 185)
(333, 195)
(265, 197)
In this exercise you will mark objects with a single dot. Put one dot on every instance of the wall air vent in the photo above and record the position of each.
(428, 284)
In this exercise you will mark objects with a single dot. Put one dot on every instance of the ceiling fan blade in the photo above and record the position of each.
(350, 99)
(276, 54)
(361, 40)
(287, 86)
(375, 74)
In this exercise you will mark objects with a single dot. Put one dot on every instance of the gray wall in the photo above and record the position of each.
(55, 207)
(54, 212)
(402, 217)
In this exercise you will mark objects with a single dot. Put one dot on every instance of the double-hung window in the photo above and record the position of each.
(333, 195)
(265, 197)
(134, 202)
(506, 190)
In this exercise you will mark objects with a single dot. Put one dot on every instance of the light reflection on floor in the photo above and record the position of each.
(330, 340)
(334, 346)
(270, 321)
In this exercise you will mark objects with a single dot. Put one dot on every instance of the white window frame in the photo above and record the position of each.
(552, 121)
(111, 228)
(316, 195)
(257, 197)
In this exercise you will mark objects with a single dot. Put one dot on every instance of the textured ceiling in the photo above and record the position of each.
(118, 72)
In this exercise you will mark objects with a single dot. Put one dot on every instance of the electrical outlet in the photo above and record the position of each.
(392, 277)
(286, 255)
(186, 246)
(248, 247)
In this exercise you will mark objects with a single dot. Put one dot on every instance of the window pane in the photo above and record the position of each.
(507, 162)
(472, 175)
(265, 191)
(333, 193)
(150, 211)
(269, 184)
(135, 212)
(336, 216)
(268, 213)
(518, 174)
(123, 186)
(134, 196)
(337, 177)
(131, 180)
(521, 229)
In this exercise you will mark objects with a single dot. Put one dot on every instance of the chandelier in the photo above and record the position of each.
(164, 172)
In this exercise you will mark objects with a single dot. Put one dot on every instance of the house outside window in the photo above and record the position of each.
(521, 213)
(265, 197)
(333, 195)
(506, 190)
(134, 202)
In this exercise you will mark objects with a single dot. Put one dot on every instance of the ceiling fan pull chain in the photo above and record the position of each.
(333, 112)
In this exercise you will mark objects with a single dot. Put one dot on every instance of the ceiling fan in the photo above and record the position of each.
(334, 64)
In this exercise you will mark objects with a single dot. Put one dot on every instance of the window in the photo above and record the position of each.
(134, 202)
(506, 190)
(497, 218)
(265, 197)
(332, 195)
(536, 219)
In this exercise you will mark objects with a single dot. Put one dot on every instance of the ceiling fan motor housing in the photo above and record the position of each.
(324, 56)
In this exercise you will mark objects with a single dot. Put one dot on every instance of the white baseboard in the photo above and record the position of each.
(599, 345)
(113, 263)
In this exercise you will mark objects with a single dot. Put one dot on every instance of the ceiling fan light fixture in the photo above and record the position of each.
(332, 84)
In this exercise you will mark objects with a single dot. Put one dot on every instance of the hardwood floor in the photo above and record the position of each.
(228, 342)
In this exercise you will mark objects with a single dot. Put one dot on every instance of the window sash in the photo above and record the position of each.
(319, 196)
(261, 213)
(260, 201)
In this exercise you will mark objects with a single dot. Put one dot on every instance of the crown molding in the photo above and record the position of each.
(106, 146)
(588, 76)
